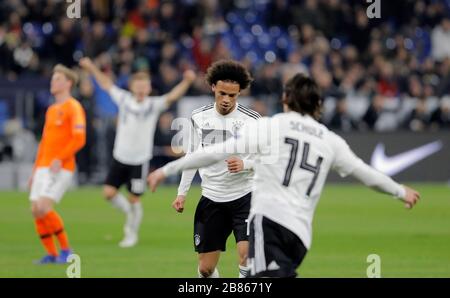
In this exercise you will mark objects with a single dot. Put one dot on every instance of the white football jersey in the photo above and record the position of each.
(136, 126)
(293, 155)
(287, 191)
(210, 127)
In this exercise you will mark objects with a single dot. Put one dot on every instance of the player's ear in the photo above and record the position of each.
(213, 87)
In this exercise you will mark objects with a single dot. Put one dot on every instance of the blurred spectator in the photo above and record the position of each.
(441, 40)
(279, 13)
(86, 160)
(418, 119)
(341, 120)
(164, 134)
(64, 42)
(267, 81)
(372, 114)
(308, 13)
(357, 62)
(440, 118)
(22, 142)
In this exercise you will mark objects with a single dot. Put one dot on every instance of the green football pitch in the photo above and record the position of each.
(351, 223)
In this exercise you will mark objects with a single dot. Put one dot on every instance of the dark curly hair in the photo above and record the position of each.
(229, 71)
(302, 95)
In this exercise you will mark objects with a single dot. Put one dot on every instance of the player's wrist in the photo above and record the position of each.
(166, 171)
(401, 192)
(247, 164)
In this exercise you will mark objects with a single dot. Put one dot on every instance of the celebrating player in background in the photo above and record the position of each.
(226, 187)
(287, 188)
(63, 136)
(137, 119)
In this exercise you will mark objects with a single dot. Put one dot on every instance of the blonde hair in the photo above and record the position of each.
(141, 75)
(70, 74)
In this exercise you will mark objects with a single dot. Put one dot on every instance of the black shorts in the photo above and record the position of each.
(133, 176)
(214, 222)
(274, 251)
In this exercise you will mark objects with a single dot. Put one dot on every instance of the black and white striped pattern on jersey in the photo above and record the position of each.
(215, 136)
(125, 97)
(202, 109)
(248, 112)
(140, 115)
(260, 254)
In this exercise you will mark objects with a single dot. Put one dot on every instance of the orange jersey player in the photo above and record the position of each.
(64, 135)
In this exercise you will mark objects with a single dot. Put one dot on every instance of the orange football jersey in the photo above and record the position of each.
(64, 134)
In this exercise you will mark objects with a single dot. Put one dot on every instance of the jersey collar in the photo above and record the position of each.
(227, 115)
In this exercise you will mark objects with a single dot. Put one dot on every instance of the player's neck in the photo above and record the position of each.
(62, 97)
(229, 112)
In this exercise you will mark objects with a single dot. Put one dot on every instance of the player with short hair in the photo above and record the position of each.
(133, 147)
(294, 155)
(226, 187)
(63, 136)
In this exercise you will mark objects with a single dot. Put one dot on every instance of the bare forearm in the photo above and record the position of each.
(177, 92)
(103, 80)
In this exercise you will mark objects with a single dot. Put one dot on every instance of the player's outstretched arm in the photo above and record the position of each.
(209, 156)
(103, 80)
(195, 160)
(411, 197)
(347, 163)
(382, 183)
(179, 90)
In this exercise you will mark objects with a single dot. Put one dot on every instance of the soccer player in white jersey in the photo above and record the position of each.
(294, 155)
(137, 120)
(226, 187)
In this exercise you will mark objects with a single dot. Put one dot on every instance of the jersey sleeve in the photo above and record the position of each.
(159, 103)
(347, 163)
(256, 141)
(344, 158)
(78, 135)
(38, 154)
(188, 175)
(119, 96)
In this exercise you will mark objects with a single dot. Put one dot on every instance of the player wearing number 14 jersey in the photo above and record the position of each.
(294, 154)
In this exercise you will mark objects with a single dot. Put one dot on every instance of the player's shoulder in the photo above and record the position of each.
(203, 109)
(247, 112)
(73, 105)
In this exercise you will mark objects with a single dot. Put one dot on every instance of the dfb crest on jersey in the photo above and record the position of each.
(237, 124)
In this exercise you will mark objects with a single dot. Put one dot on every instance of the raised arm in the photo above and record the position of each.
(347, 163)
(179, 90)
(103, 80)
(382, 183)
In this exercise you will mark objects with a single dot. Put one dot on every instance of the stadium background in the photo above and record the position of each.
(384, 80)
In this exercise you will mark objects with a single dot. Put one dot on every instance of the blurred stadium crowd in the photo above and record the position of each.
(376, 74)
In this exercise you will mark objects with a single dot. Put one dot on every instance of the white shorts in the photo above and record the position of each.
(48, 185)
